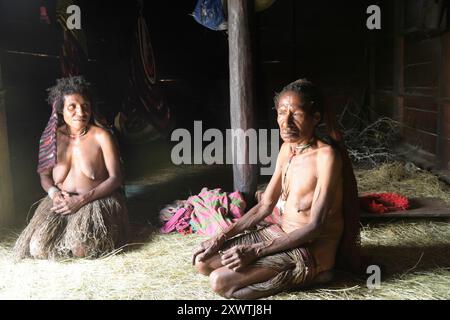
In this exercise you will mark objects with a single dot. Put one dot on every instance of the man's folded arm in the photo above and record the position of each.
(264, 208)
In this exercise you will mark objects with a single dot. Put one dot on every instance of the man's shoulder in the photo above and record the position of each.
(326, 153)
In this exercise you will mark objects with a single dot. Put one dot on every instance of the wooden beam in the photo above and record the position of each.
(241, 91)
(441, 143)
(6, 187)
(399, 57)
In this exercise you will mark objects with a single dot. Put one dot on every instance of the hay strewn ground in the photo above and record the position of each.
(414, 254)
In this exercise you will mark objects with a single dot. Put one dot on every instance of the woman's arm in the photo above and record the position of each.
(72, 204)
(47, 180)
(112, 163)
(48, 184)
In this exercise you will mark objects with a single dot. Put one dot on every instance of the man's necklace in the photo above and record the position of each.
(298, 150)
(302, 147)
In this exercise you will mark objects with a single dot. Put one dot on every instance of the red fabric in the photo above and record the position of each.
(43, 16)
(383, 202)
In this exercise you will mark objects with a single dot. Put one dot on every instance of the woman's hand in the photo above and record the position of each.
(209, 247)
(68, 205)
(58, 197)
(238, 257)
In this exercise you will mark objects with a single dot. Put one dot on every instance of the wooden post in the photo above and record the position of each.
(241, 91)
(6, 187)
(441, 145)
(445, 99)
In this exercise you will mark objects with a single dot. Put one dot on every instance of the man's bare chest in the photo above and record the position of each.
(300, 175)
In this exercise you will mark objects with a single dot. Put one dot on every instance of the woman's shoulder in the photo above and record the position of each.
(103, 136)
(98, 131)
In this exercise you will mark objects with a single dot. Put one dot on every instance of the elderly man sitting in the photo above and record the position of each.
(314, 188)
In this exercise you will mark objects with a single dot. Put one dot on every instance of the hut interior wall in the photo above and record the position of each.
(323, 40)
(412, 73)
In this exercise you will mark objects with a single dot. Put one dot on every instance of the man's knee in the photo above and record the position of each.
(221, 285)
(204, 267)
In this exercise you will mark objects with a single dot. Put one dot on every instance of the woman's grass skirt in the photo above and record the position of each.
(96, 229)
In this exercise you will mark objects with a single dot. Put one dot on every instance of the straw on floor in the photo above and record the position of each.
(413, 254)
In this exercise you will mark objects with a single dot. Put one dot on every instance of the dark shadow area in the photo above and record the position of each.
(395, 262)
(145, 200)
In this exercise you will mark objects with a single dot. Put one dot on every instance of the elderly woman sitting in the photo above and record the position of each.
(84, 214)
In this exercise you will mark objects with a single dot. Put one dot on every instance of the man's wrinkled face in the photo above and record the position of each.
(77, 111)
(296, 124)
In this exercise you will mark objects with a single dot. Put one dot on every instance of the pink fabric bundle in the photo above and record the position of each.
(207, 213)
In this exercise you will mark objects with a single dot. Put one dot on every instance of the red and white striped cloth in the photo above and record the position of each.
(47, 143)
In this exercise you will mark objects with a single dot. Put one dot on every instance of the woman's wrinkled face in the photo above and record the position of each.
(296, 125)
(77, 111)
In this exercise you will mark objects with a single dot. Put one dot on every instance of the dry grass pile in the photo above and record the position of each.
(413, 254)
(404, 178)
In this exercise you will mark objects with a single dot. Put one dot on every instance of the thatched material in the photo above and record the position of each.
(96, 229)
(413, 254)
(406, 179)
(415, 257)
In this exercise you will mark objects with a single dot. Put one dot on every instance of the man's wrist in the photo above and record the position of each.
(262, 247)
(223, 237)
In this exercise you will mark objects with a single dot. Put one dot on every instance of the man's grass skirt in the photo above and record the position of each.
(295, 267)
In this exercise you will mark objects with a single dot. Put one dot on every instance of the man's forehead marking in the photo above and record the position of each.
(289, 105)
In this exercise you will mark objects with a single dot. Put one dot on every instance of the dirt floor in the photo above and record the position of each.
(414, 254)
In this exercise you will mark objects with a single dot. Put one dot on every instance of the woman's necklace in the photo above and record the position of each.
(78, 135)
(298, 150)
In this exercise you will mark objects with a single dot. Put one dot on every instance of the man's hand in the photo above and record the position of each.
(68, 205)
(238, 257)
(208, 248)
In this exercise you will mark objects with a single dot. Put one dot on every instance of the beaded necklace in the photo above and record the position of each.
(299, 150)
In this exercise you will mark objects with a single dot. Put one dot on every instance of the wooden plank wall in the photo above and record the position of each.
(412, 84)
(323, 41)
(445, 99)
(421, 92)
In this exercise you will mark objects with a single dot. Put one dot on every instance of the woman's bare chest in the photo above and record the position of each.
(79, 157)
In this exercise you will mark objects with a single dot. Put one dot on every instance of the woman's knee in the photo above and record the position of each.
(36, 249)
(79, 251)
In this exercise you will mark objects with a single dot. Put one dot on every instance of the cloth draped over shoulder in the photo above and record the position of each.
(348, 257)
(207, 213)
(47, 144)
